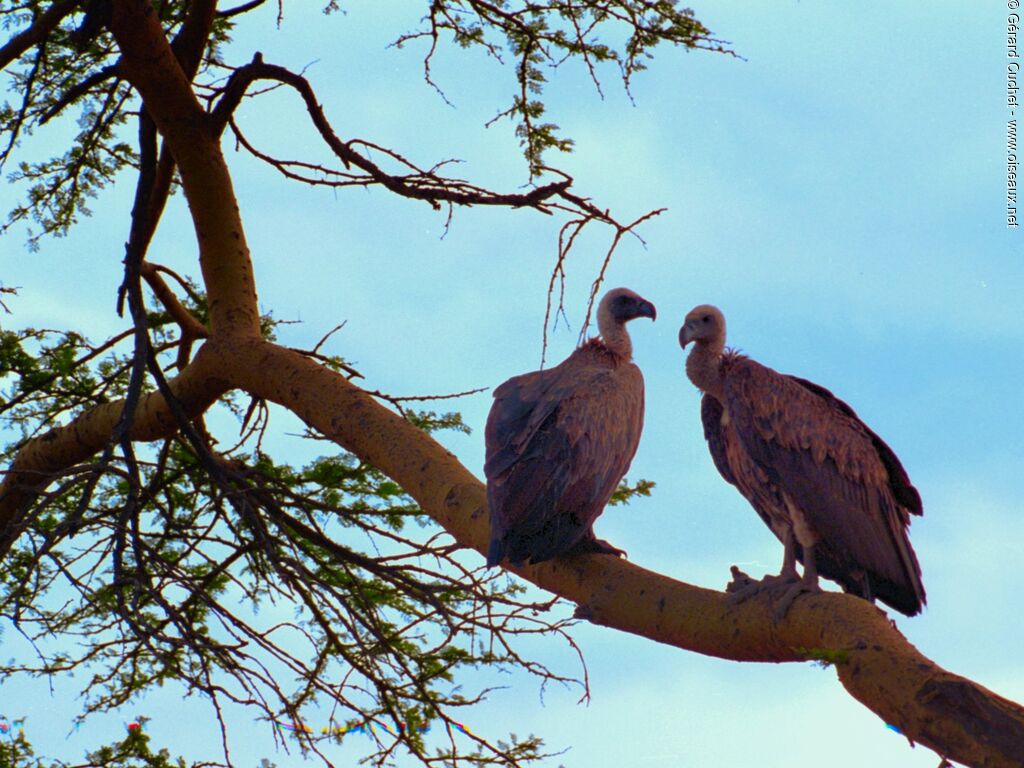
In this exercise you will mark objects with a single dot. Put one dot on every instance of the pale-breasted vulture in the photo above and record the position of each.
(826, 485)
(560, 440)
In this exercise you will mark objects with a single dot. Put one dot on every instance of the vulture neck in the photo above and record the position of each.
(615, 336)
(704, 366)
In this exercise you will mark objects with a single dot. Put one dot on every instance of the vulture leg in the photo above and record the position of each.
(788, 572)
(807, 584)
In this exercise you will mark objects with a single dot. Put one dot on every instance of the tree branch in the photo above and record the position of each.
(239, 9)
(419, 185)
(190, 42)
(149, 64)
(197, 387)
(954, 716)
(38, 32)
(190, 325)
(957, 718)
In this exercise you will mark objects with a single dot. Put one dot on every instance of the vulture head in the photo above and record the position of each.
(618, 307)
(704, 325)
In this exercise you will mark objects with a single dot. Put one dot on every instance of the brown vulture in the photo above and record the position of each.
(560, 440)
(826, 485)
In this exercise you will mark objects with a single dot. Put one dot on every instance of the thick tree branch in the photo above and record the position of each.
(198, 387)
(150, 65)
(155, 182)
(956, 717)
(191, 40)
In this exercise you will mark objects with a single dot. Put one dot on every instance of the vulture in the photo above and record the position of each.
(827, 486)
(560, 440)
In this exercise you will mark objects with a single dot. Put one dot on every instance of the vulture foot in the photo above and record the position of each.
(743, 587)
(596, 546)
(740, 580)
(804, 586)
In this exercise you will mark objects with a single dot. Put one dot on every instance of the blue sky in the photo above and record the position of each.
(840, 194)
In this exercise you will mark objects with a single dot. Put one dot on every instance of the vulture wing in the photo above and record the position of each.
(711, 417)
(899, 481)
(558, 443)
(735, 465)
(845, 482)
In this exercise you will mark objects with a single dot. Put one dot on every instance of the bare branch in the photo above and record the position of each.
(420, 184)
(190, 325)
(240, 9)
(77, 91)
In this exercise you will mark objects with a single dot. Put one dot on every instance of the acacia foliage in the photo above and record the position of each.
(281, 588)
(133, 751)
(71, 73)
(168, 397)
(200, 559)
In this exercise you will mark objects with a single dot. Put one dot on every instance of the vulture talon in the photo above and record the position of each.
(824, 483)
(560, 440)
(737, 595)
(740, 580)
(782, 605)
(744, 587)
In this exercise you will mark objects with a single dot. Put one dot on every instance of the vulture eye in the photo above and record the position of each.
(706, 319)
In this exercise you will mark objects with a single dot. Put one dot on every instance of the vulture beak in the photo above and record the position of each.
(646, 309)
(687, 333)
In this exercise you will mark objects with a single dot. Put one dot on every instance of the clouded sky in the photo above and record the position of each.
(840, 192)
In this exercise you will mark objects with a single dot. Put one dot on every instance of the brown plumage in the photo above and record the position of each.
(828, 487)
(560, 440)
